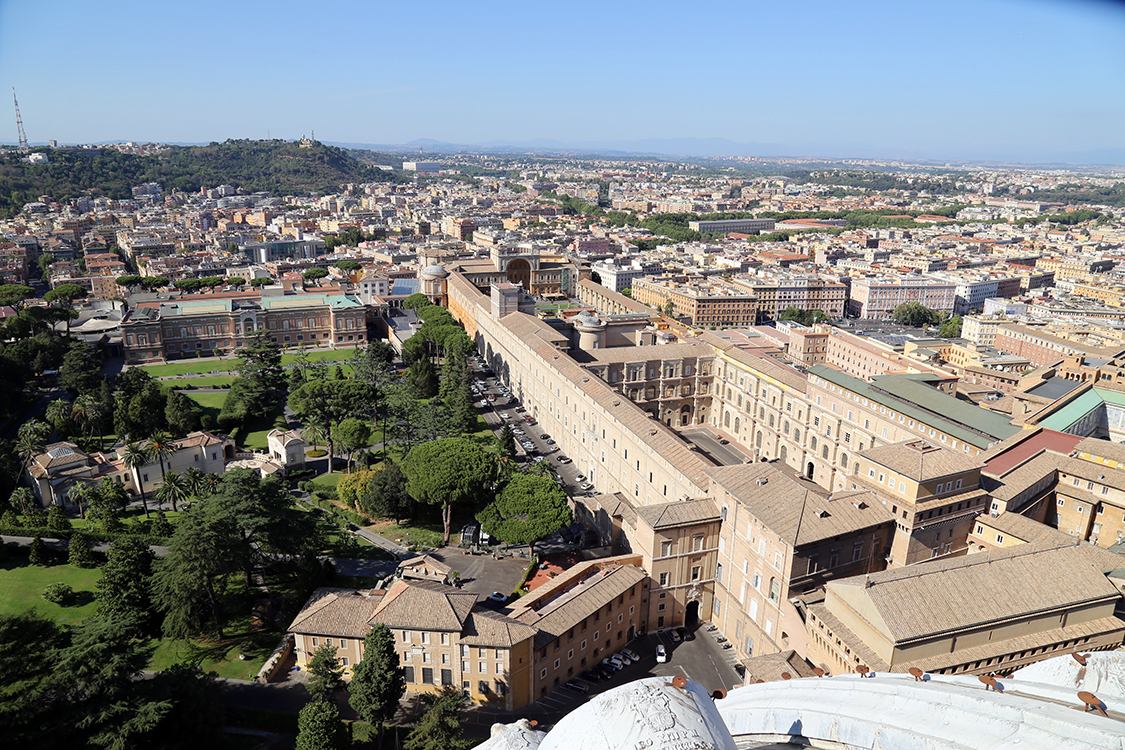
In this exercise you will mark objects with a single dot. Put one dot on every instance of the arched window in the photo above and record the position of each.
(812, 442)
(784, 453)
(761, 412)
(726, 419)
(771, 420)
(785, 427)
(775, 590)
(737, 423)
(797, 436)
(758, 440)
(824, 452)
(844, 461)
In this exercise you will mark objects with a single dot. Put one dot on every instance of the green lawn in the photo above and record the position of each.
(228, 364)
(22, 584)
(329, 481)
(207, 381)
(190, 366)
(240, 638)
(254, 437)
(409, 534)
(211, 403)
(320, 355)
(133, 517)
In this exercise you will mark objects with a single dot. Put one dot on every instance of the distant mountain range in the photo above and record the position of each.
(718, 147)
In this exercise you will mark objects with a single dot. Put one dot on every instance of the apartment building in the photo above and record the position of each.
(878, 297)
(703, 305)
(971, 290)
(442, 636)
(1090, 493)
(1043, 345)
(861, 357)
(774, 296)
(725, 226)
(204, 324)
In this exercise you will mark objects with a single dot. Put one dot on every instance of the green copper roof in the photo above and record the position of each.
(922, 403)
(1072, 412)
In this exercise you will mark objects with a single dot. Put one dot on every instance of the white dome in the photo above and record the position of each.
(435, 271)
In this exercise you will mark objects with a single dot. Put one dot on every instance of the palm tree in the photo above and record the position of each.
(312, 434)
(196, 482)
(88, 412)
(58, 414)
(543, 469)
(211, 482)
(134, 457)
(162, 446)
(173, 489)
(31, 441)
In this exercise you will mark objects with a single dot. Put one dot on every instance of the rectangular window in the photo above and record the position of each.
(696, 572)
(409, 674)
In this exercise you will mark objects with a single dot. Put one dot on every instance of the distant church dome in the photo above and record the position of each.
(435, 272)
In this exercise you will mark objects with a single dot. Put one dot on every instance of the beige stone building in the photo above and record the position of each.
(783, 536)
(586, 614)
(443, 638)
(982, 614)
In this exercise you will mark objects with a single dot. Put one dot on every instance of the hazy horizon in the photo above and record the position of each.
(1026, 81)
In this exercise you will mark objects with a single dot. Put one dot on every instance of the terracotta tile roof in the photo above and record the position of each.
(948, 596)
(682, 513)
(1102, 449)
(337, 612)
(798, 510)
(424, 605)
(921, 460)
(492, 629)
(569, 599)
(1025, 529)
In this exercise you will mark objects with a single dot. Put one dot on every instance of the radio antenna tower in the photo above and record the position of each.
(19, 124)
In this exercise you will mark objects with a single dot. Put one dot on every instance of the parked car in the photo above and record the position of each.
(544, 436)
(687, 635)
(496, 596)
(586, 486)
(580, 478)
(563, 460)
(631, 654)
(591, 675)
(491, 397)
(724, 441)
(675, 636)
(577, 687)
(661, 654)
(548, 441)
(611, 665)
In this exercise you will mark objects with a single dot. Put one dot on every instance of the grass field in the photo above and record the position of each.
(207, 381)
(227, 365)
(133, 518)
(22, 584)
(211, 403)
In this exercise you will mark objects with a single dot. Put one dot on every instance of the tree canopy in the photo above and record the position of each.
(916, 315)
(527, 509)
(448, 472)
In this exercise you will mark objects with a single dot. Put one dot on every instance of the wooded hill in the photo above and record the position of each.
(279, 167)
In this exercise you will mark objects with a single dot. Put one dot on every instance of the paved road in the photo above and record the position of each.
(708, 443)
(507, 405)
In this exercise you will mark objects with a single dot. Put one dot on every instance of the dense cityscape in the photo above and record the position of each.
(391, 451)
(517, 376)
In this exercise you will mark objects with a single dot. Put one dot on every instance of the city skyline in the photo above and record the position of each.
(1031, 81)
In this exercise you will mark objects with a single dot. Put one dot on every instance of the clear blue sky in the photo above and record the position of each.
(954, 79)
